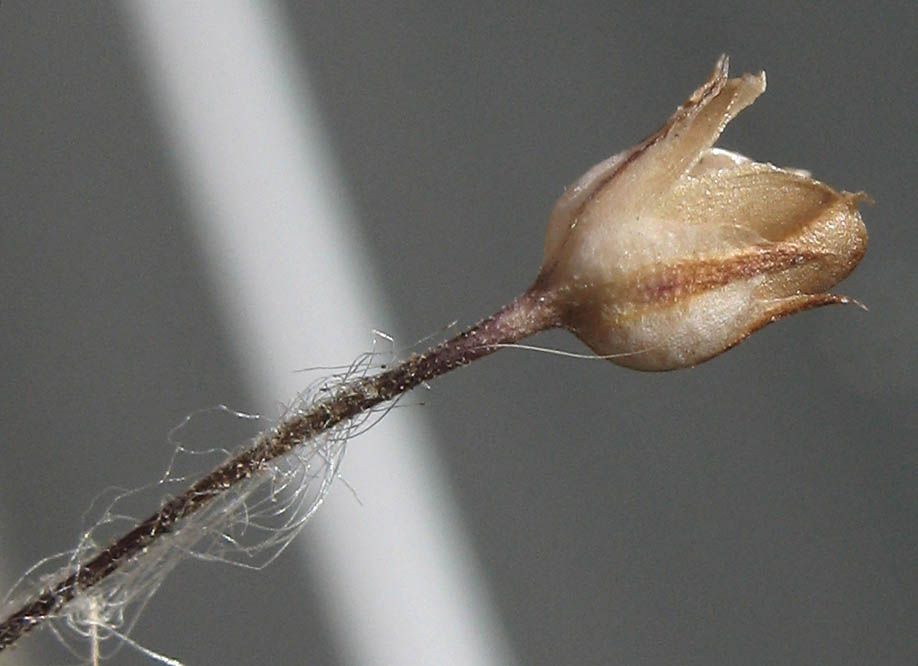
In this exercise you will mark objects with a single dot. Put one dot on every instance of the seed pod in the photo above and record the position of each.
(673, 251)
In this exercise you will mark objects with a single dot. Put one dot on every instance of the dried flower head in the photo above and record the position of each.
(673, 251)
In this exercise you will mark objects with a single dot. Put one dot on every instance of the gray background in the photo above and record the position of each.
(759, 509)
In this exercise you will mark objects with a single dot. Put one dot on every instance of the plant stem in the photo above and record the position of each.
(530, 313)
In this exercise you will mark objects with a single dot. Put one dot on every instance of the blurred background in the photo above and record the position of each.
(199, 200)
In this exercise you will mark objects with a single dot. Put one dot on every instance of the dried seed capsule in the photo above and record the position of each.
(672, 252)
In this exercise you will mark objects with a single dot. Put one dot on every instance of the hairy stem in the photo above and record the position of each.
(528, 314)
